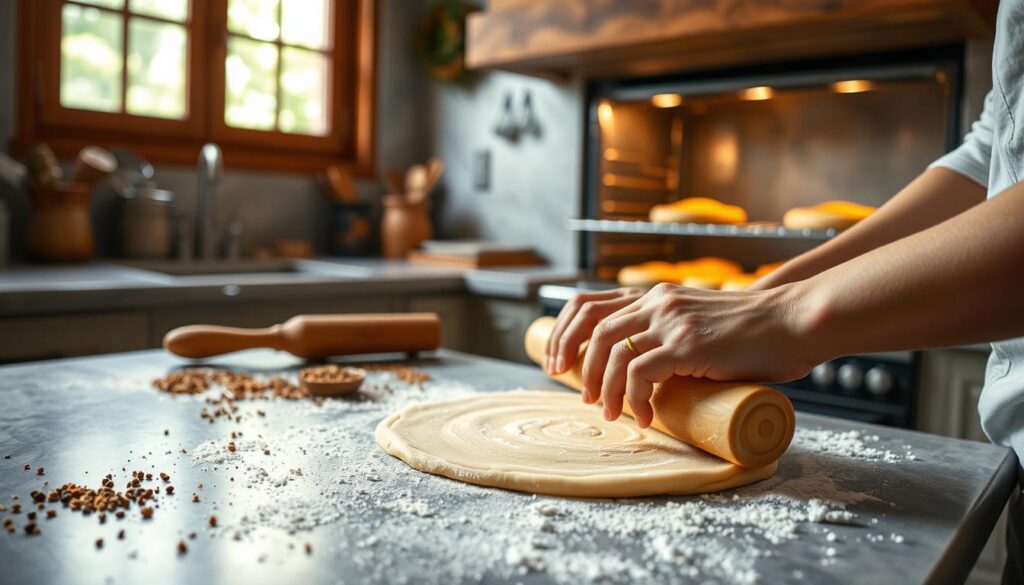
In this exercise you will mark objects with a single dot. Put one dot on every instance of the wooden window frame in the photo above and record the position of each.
(41, 118)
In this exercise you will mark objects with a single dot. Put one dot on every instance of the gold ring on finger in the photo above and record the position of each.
(630, 345)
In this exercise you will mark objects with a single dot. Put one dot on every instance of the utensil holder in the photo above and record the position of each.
(60, 229)
(405, 226)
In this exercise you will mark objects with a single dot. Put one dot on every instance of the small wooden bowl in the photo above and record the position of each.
(331, 380)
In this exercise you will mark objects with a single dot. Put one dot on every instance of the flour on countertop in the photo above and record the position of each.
(404, 526)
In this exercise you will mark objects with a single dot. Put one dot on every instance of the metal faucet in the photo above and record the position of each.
(210, 168)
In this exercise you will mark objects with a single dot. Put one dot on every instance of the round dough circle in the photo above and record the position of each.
(552, 443)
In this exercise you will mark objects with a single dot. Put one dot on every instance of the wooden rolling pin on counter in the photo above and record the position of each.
(747, 424)
(314, 336)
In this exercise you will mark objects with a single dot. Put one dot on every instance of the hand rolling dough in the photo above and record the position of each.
(551, 443)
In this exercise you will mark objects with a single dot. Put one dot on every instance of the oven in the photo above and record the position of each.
(766, 138)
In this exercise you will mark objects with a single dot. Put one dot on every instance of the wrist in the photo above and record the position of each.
(808, 316)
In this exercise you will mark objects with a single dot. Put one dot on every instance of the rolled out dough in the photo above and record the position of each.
(552, 443)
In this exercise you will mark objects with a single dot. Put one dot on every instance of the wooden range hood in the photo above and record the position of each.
(560, 38)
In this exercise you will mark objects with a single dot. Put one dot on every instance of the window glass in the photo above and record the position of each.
(156, 69)
(306, 23)
(176, 10)
(254, 18)
(303, 92)
(251, 78)
(91, 57)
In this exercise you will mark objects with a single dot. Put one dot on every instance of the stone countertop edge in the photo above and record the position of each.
(42, 290)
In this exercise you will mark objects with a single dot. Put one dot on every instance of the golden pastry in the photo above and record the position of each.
(648, 274)
(698, 210)
(739, 281)
(837, 215)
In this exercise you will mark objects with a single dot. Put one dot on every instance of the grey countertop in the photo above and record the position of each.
(919, 506)
(99, 286)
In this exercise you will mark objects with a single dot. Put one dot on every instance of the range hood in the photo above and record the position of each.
(646, 37)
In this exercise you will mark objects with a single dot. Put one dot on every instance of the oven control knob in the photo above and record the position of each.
(878, 380)
(823, 375)
(850, 376)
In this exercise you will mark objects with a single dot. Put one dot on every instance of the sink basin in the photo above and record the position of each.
(210, 267)
(250, 268)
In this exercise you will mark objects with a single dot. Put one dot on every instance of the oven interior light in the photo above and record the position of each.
(666, 100)
(852, 86)
(605, 113)
(761, 92)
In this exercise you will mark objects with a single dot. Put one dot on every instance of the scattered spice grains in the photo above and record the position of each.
(213, 521)
(146, 512)
(40, 471)
(99, 543)
(182, 547)
(27, 467)
(331, 374)
(309, 549)
(239, 386)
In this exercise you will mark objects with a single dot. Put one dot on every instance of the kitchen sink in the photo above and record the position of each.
(249, 267)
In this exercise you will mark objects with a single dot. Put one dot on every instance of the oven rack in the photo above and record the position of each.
(755, 230)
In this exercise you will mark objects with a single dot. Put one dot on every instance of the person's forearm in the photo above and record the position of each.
(955, 283)
(933, 197)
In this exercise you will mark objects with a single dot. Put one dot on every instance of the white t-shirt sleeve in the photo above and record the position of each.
(973, 158)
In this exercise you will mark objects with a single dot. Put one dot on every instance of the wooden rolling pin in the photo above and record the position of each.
(746, 424)
(314, 336)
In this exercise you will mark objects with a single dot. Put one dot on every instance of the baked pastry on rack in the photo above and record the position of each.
(706, 272)
(837, 215)
(698, 210)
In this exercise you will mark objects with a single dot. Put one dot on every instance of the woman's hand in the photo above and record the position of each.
(577, 320)
(742, 335)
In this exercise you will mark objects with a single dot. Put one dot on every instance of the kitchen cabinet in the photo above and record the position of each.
(498, 327)
(452, 311)
(624, 37)
(35, 338)
(953, 380)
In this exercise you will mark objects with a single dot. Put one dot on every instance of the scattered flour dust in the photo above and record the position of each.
(402, 526)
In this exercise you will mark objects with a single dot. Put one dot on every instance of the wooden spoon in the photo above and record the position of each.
(331, 380)
(395, 182)
(416, 179)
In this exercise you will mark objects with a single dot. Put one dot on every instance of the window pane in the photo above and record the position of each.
(254, 18)
(156, 69)
(251, 73)
(303, 92)
(117, 4)
(90, 59)
(306, 23)
(176, 10)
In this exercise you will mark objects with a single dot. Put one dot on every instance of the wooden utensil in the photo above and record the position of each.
(338, 381)
(425, 179)
(747, 424)
(435, 168)
(416, 183)
(395, 182)
(340, 184)
(314, 336)
(93, 163)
